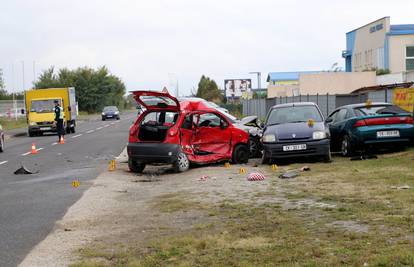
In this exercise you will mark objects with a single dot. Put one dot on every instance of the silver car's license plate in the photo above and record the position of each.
(395, 133)
(294, 147)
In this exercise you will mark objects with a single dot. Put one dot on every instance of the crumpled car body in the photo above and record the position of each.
(180, 133)
(251, 125)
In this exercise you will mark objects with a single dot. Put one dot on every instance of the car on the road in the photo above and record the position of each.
(295, 130)
(110, 112)
(1, 139)
(180, 133)
(361, 127)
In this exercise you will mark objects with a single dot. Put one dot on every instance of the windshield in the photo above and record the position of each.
(294, 114)
(375, 110)
(110, 109)
(43, 106)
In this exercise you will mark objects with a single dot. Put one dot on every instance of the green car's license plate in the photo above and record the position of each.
(382, 134)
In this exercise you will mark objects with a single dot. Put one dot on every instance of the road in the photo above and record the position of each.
(31, 204)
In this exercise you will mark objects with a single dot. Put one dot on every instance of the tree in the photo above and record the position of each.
(94, 88)
(209, 90)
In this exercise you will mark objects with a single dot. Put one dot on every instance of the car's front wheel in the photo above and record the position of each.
(346, 146)
(135, 166)
(240, 154)
(182, 164)
(328, 158)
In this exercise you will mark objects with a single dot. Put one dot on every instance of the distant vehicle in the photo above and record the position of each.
(1, 139)
(110, 112)
(295, 130)
(40, 109)
(180, 133)
(358, 127)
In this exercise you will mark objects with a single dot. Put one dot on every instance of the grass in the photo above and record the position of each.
(13, 124)
(370, 222)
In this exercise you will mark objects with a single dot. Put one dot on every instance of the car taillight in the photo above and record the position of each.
(389, 120)
(360, 123)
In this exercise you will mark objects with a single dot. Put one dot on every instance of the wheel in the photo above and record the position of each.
(265, 160)
(117, 118)
(1, 144)
(135, 166)
(31, 134)
(240, 154)
(346, 146)
(103, 119)
(254, 144)
(327, 158)
(68, 130)
(182, 164)
(72, 130)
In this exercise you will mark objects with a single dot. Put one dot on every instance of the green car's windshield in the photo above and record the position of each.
(294, 114)
(43, 106)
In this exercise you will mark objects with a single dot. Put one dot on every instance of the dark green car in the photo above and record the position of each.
(359, 127)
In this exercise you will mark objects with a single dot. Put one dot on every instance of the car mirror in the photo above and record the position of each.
(22, 110)
(329, 120)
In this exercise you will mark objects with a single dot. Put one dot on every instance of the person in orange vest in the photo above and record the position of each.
(59, 116)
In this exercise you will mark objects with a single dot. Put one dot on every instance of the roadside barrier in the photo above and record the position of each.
(34, 150)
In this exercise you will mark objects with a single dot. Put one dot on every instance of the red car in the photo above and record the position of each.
(180, 133)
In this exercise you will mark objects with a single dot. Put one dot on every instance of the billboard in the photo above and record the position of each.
(404, 98)
(238, 88)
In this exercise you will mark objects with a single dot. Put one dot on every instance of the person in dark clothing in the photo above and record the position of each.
(59, 115)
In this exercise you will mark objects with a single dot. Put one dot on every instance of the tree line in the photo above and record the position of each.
(94, 88)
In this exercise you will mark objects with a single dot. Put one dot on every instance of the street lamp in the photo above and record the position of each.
(259, 80)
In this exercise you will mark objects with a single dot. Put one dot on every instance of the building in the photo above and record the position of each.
(317, 82)
(380, 45)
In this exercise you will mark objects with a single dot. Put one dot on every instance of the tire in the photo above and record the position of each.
(182, 164)
(103, 119)
(1, 144)
(254, 144)
(240, 154)
(346, 146)
(328, 157)
(265, 160)
(135, 166)
(73, 130)
(118, 118)
(68, 130)
(31, 134)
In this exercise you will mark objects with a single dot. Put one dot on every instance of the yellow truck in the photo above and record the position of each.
(39, 104)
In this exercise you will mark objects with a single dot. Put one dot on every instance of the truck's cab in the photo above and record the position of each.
(41, 115)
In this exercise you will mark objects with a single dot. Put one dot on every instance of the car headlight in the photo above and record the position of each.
(32, 123)
(103, 113)
(116, 112)
(269, 138)
(319, 135)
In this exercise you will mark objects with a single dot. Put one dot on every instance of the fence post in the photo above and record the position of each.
(307, 100)
(317, 99)
(327, 104)
(300, 97)
(386, 95)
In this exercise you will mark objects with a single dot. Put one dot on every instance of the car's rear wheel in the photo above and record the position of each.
(135, 166)
(265, 160)
(346, 146)
(240, 154)
(182, 164)
(254, 143)
(1, 144)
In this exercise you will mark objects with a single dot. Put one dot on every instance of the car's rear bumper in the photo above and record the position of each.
(153, 152)
(313, 148)
(367, 136)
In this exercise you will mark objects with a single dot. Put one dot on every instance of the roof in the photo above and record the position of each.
(287, 76)
(294, 104)
(401, 29)
(360, 105)
(367, 24)
(381, 87)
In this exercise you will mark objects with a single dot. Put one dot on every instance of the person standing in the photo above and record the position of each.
(59, 115)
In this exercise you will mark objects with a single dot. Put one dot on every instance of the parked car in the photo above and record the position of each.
(180, 133)
(110, 112)
(355, 128)
(295, 130)
(1, 139)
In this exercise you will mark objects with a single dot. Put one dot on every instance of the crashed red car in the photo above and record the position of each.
(180, 133)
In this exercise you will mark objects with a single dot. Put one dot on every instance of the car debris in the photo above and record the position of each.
(364, 157)
(294, 173)
(401, 187)
(24, 170)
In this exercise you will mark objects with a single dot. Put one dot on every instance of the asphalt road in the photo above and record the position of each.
(31, 204)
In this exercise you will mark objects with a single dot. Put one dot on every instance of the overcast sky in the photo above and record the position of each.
(153, 43)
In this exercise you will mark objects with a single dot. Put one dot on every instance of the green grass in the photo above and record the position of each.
(13, 124)
(370, 222)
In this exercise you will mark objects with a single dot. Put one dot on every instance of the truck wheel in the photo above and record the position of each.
(72, 130)
(135, 166)
(182, 164)
(68, 130)
(1, 144)
(31, 134)
(240, 154)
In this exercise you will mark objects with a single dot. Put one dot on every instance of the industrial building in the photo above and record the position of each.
(380, 45)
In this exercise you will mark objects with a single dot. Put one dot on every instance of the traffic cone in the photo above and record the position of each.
(34, 150)
(62, 140)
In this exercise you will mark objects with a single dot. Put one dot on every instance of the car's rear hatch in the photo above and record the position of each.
(156, 101)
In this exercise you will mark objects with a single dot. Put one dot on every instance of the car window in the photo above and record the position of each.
(341, 115)
(380, 109)
(209, 120)
(160, 118)
(293, 114)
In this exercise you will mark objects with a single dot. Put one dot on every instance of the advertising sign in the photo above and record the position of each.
(238, 88)
(404, 98)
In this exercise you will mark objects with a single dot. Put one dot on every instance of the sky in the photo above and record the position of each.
(156, 43)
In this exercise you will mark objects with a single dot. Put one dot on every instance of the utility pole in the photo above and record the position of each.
(259, 79)
(23, 84)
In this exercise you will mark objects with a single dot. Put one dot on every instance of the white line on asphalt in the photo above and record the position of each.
(40, 149)
(3, 162)
(27, 153)
(107, 125)
(76, 135)
(99, 128)
(90, 131)
(54, 144)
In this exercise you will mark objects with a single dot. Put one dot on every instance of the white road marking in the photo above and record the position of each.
(40, 149)
(54, 144)
(27, 153)
(99, 128)
(107, 125)
(76, 136)
(3, 162)
(91, 131)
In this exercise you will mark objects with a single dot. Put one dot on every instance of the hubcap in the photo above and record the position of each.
(182, 161)
(344, 147)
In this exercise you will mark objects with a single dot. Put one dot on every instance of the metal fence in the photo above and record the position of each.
(327, 103)
(10, 109)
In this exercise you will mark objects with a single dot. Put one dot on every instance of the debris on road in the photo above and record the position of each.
(204, 178)
(255, 176)
(289, 174)
(364, 157)
(23, 170)
(305, 169)
(401, 187)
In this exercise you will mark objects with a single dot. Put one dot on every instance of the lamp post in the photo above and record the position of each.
(259, 80)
